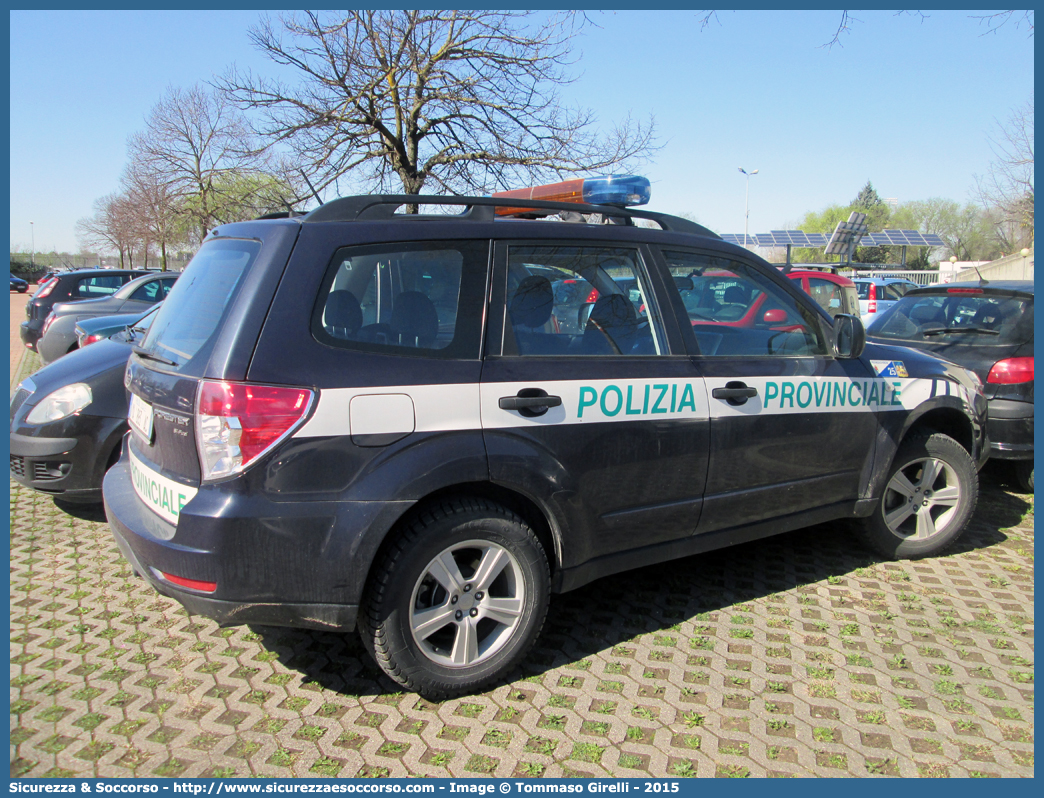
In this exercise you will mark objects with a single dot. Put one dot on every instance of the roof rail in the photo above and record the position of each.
(376, 207)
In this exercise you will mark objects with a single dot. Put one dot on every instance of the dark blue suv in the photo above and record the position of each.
(361, 419)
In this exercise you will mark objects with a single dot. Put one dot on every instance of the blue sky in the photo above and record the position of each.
(906, 102)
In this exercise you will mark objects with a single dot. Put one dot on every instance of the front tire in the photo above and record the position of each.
(930, 495)
(457, 599)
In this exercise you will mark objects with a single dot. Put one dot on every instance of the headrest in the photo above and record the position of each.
(532, 303)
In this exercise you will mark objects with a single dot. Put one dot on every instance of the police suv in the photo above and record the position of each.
(363, 418)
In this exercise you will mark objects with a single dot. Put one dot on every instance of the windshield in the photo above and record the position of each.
(191, 315)
(972, 319)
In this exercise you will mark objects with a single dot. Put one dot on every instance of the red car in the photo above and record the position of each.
(832, 292)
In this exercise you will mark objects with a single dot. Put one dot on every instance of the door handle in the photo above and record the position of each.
(735, 393)
(530, 402)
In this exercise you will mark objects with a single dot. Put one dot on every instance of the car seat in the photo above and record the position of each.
(530, 309)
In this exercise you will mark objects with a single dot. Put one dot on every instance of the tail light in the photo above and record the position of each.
(90, 339)
(46, 288)
(236, 423)
(1012, 370)
(47, 324)
(872, 304)
(592, 297)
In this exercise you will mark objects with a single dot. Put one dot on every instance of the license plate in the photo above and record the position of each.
(141, 417)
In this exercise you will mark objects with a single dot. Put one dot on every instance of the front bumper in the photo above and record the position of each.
(68, 463)
(1011, 429)
(277, 563)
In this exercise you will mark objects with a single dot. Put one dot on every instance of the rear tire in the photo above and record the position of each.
(927, 501)
(1024, 475)
(457, 599)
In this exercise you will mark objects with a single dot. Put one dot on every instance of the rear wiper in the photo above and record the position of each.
(150, 356)
(945, 330)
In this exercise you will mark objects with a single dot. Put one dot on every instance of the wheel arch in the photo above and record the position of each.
(526, 507)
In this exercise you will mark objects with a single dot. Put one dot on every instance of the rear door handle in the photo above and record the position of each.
(530, 402)
(735, 393)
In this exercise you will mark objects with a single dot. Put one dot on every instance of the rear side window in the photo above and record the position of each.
(422, 298)
(864, 290)
(189, 320)
(99, 285)
(152, 291)
(578, 300)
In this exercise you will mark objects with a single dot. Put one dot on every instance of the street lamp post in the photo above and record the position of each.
(746, 203)
(32, 255)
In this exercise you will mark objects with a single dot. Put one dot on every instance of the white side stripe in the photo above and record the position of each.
(440, 408)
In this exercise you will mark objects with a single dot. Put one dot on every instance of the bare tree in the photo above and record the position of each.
(1008, 186)
(466, 100)
(993, 22)
(155, 207)
(112, 228)
(196, 144)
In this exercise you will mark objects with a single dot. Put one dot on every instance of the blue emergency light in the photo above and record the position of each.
(620, 190)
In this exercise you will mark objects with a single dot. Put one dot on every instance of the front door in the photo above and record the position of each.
(584, 405)
(792, 427)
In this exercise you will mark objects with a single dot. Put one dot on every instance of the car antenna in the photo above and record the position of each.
(982, 280)
(310, 186)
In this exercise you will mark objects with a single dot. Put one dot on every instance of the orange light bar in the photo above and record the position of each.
(566, 191)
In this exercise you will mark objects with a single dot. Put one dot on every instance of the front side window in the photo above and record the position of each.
(404, 299)
(735, 310)
(152, 291)
(578, 300)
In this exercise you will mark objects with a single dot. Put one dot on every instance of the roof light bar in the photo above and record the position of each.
(620, 190)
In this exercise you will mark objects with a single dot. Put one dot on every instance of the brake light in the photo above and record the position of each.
(236, 423)
(592, 297)
(1012, 370)
(964, 291)
(622, 190)
(47, 324)
(871, 306)
(47, 288)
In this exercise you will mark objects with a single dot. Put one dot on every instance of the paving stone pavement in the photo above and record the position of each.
(795, 656)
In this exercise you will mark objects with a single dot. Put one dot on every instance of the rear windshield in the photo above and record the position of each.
(189, 319)
(971, 319)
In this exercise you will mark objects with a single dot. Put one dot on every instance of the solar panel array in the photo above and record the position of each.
(799, 238)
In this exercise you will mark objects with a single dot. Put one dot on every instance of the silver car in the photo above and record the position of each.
(877, 294)
(59, 331)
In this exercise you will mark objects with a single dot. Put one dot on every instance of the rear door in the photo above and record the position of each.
(791, 427)
(589, 403)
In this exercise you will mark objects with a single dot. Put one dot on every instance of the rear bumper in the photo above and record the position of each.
(28, 335)
(278, 563)
(1011, 429)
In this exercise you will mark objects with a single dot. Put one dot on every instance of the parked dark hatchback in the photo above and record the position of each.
(69, 287)
(19, 285)
(988, 328)
(68, 419)
(360, 419)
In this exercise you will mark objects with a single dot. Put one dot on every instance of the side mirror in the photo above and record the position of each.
(849, 336)
(774, 316)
